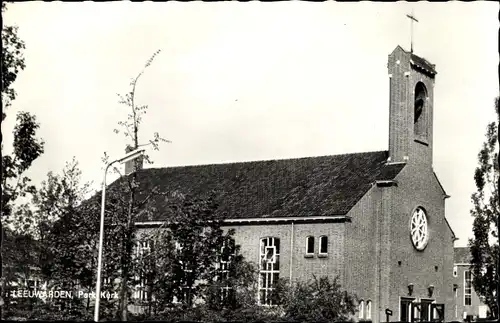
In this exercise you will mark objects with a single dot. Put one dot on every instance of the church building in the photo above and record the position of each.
(375, 219)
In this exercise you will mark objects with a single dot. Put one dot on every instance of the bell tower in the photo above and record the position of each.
(411, 94)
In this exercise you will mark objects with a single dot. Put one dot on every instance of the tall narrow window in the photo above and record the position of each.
(323, 245)
(227, 254)
(368, 310)
(269, 267)
(455, 271)
(142, 293)
(143, 248)
(467, 287)
(361, 309)
(187, 280)
(309, 246)
(420, 113)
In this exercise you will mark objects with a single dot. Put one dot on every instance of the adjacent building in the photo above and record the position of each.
(468, 304)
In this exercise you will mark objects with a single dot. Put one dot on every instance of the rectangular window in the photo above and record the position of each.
(323, 245)
(268, 268)
(310, 246)
(467, 288)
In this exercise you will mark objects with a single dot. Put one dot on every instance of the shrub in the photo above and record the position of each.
(318, 300)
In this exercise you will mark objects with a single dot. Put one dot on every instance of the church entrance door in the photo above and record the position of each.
(406, 309)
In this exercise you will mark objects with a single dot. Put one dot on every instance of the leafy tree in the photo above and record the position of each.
(192, 260)
(484, 245)
(26, 149)
(26, 146)
(66, 232)
(319, 300)
(127, 201)
(58, 196)
(57, 244)
(12, 61)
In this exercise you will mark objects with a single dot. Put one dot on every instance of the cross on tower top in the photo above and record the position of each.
(412, 19)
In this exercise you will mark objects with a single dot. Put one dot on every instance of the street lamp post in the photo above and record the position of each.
(130, 156)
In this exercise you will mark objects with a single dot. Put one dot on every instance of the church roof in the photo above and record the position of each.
(299, 187)
(420, 62)
(462, 255)
(423, 63)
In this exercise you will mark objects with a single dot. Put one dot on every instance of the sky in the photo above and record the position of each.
(252, 81)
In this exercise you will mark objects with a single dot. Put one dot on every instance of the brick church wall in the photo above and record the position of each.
(403, 80)
(248, 236)
(361, 245)
(417, 186)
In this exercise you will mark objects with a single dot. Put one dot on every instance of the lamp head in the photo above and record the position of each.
(431, 290)
(410, 289)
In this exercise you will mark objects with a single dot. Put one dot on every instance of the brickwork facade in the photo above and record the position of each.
(371, 247)
(418, 187)
(293, 247)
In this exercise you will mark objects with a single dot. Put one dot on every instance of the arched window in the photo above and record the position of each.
(368, 310)
(420, 113)
(323, 245)
(269, 268)
(361, 309)
(310, 246)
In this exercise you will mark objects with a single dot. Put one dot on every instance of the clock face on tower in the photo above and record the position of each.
(419, 229)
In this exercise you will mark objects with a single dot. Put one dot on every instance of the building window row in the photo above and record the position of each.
(311, 246)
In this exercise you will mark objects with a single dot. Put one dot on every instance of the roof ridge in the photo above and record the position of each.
(266, 160)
